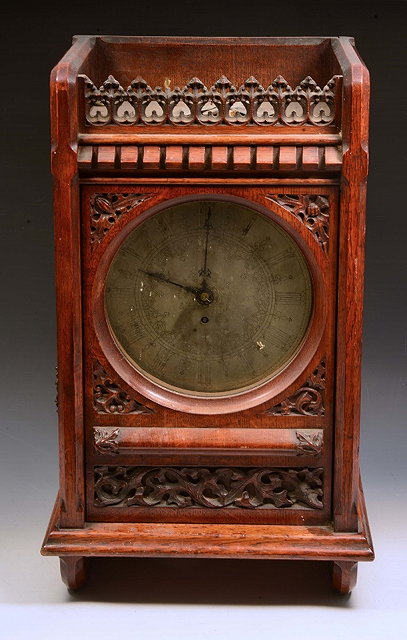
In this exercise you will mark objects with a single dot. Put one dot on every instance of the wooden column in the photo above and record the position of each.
(68, 280)
(355, 114)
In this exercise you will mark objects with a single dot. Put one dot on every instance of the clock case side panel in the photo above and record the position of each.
(64, 135)
(355, 119)
(178, 421)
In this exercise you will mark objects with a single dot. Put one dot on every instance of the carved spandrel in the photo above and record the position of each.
(183, 487)
(312, 210)
(308, 400)
(106, 439)
(109, 397)
(107, 208)
(223, 103)
(309, 442)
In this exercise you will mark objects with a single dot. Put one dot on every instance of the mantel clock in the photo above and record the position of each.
(209, 226)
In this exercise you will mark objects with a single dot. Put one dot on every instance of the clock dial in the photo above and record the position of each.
(208, 298)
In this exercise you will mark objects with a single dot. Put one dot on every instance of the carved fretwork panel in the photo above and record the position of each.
(223, 103)
(312, 210)
(107, 208)
(247, 488)
(108, 397)
(306, 401)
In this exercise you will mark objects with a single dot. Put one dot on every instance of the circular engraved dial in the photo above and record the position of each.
(208, 298)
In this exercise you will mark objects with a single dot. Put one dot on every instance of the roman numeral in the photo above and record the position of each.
(119, 291)
(134, 332)
(204, 373)
(280, 338)
(125, 273)
(290, 297)
(246, 363)
(160, 360)
(130, 252)
(225, 368)
(163, 225)
(249, 226)
(280, 257)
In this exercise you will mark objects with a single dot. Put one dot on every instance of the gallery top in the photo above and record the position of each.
(196, 91)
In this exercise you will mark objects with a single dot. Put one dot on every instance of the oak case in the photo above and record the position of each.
(271, 472)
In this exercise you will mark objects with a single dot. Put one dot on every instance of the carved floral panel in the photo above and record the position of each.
(182, 487)
(107, 208)
(109, 397)
(312, 210)
(308, 400)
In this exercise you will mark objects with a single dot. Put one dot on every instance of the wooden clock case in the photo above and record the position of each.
(274, 472)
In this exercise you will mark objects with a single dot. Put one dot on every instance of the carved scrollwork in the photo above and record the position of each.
(107, 208)
(308, 400)
(182, 487)
(223, 103)
(108, 397)
(106, 439)
(312, 210)
(309, 443)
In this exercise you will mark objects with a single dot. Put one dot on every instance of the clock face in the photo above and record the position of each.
(208, 298)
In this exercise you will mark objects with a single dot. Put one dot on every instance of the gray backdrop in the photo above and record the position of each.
(192, 598)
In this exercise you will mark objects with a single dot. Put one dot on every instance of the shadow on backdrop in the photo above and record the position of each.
(215, 582)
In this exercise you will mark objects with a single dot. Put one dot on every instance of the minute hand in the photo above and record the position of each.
(161, 277)
(205, 272)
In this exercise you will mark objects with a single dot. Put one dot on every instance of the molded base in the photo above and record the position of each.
(288, 542)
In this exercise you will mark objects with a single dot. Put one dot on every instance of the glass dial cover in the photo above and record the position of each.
(208, 298)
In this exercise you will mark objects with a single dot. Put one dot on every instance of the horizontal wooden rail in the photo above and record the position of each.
(289, 138)
(286, 441)
(192, 158)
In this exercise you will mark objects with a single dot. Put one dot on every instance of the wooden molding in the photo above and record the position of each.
(197, 157)
(211, 540)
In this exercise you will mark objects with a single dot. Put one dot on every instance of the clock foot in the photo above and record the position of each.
(344, 576)
(73, 571)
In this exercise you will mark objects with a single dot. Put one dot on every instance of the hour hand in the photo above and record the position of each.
(162, 278)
